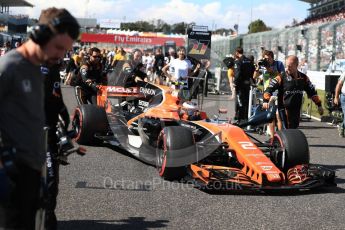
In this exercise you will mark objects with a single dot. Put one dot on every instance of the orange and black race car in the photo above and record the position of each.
(163, 127)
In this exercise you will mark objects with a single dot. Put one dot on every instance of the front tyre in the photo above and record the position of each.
(171, 140)
(293, 148)
(89, 120)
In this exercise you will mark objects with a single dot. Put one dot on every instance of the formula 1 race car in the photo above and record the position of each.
(163, 127)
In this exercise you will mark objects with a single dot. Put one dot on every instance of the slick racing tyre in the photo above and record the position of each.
(89, 120)
(293, 148)
(170, 141)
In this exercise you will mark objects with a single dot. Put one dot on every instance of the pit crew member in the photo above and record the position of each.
(244, 70)
(290, 88)
(133, 69)
(22, 111)
(90, 75)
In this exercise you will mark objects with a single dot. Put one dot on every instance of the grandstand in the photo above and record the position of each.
(324, 11)
(6, 4)
(321, 7)
(317, 40)
(12, 25)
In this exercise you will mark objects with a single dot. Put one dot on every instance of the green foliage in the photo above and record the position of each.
(161, 26)
(179, 28)
(165, 28)
(155, 26)
(309, 104)
(258, 26)
(141, 26)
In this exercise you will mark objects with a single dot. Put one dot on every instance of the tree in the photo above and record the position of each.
(179, 28)
(161, 26)
(141, 26)
(222, 31)
(166, 28)
(258, 26)
(145, 26)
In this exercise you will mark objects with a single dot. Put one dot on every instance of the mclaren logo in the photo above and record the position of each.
(119, 89)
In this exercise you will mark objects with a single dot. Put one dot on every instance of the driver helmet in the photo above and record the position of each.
(189, 105)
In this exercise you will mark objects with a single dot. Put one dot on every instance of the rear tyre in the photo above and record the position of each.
(170, 139)
(294, 148)
(89, 120)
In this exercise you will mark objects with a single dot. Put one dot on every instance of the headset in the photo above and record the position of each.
(42, 33)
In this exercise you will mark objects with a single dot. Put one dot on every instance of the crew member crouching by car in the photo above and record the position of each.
(290, 88)
(132, 70)
(90, 74)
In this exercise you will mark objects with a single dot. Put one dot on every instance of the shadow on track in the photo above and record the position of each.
(328, 146)
(321, 190)
(333, 167)
(130, 223)
(316, 127)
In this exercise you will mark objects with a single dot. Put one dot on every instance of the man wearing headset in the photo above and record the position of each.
(22, 112)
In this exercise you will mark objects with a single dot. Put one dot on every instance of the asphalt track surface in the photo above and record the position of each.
(108, 189)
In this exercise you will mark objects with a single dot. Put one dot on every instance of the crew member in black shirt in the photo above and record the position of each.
(132, 69)
(158, 65)
(244, 70)
(290, 88)
(90, 75)
(22, 115)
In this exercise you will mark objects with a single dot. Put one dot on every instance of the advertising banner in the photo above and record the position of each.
(199, 43)
(129, 40)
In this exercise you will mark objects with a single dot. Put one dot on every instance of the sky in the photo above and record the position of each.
(214, 14)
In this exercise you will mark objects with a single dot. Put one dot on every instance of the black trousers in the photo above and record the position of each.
(242, 103)
(52, 181)
(293, 118)
(19, 210)
(53, 189)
